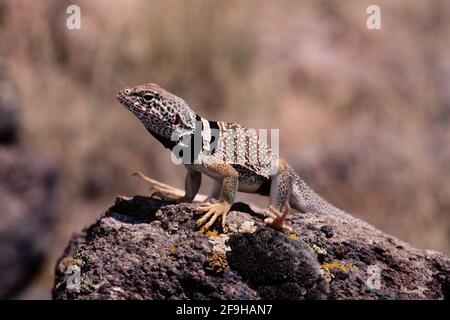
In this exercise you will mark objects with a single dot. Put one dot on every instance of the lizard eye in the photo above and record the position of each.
(148, 97)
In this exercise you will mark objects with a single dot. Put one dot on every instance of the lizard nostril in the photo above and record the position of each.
(127, 91)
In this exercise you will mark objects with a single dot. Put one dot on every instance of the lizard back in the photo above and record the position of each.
(247, 151)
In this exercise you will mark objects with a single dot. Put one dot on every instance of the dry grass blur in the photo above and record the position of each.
(364, 115)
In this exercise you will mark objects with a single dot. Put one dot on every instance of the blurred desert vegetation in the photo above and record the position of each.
(363, 115)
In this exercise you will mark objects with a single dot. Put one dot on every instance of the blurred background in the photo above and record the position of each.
(363, 114)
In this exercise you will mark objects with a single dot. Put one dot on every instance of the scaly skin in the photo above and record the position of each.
(169, 119)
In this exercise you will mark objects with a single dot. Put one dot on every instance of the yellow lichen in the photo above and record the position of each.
(212, 234)
(174, 246)
(173, 249)
(329, 266)
(293, 236)
(202, 230)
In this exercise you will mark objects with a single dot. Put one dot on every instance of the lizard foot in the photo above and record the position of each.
(161, 190)
(213, 211)
(276, 220)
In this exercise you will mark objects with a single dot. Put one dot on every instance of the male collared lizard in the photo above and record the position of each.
(169, 119)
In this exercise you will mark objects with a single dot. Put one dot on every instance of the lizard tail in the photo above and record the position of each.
(304, 199)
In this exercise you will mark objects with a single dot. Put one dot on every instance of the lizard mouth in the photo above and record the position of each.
(122, 99)
(125, 101)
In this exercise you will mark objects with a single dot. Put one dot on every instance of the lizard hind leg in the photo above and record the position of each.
(279, 198)
(159, 189)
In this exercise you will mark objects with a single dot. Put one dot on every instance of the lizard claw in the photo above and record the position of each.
(213, 211)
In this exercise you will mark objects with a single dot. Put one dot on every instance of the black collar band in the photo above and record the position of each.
(191, 147)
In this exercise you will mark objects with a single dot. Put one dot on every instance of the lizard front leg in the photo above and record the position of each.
(191, 184)
(214, 194)
(229, 177)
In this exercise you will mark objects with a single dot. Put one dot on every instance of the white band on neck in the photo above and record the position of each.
(206, 135)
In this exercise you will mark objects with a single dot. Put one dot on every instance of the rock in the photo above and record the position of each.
(280, 267)
(143, 248)
(327, 230)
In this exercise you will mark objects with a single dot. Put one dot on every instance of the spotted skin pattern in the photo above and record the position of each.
(241, 161)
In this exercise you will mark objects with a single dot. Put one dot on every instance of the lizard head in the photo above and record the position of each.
(162, 113)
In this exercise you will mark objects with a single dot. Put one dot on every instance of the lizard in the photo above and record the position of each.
(175, 125)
